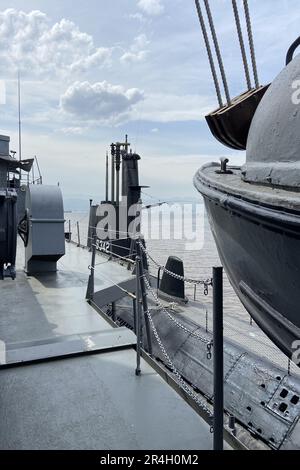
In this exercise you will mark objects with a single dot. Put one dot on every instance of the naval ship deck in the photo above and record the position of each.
(68, 378)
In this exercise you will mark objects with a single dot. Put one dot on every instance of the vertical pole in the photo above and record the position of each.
(134, 316)
(218, 358)
(19, 112)
(112, 174)
(69, 230)
(138, 318)
(118, 163)
(20, 128)
(106, 178)
(113, 311)
(91, 282)
(90, 229)
(144, 296)
(78, 235)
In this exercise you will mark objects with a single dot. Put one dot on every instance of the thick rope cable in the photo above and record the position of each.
(218, 52)
(242, 44)
(251, 43)
(209, 53)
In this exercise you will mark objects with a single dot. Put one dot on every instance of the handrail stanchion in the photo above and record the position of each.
(158, 278)
(91, 282)
(218, 359)
(113, 311)
(78, 235)
(144, 296)
(138, 317)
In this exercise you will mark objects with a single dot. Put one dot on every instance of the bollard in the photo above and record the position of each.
(138, 318)
(218, 358)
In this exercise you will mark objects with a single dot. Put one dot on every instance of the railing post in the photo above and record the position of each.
(138, 317)
(69, 230)
(113, 311)
(158, 279)
(78, 235)
(91, 282)
(144, 296)
(218, 358)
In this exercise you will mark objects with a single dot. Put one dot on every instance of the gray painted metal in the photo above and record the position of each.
(68, 346)
(257, 231)
(95, 402)
(249, 382)
(273, 142)
(90, 402)
(46, 241)
(113, 293)
(4, 145)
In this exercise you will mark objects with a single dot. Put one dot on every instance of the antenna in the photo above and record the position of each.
(19, 110)
(106, 179)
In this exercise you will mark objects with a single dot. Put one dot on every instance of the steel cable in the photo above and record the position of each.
(251, 43)
(209, 53)
(218, 52)
(242, 44)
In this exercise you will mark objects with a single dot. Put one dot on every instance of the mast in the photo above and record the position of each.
(106, 179)
(19, 112)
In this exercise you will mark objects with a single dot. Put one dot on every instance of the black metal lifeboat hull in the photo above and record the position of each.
(259, 246)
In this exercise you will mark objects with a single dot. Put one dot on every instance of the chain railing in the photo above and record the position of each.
(173, 319)
(181, 382)
(204, 282)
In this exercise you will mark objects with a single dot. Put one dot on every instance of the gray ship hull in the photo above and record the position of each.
(258, 239)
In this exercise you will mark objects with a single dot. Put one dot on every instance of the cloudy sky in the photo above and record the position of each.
(95, 70)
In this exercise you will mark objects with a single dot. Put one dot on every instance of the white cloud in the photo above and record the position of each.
(137, 51)
(30, 42)
(159, 107)
(99, 101)
(151, 7)
(137, 16)
(72, 130)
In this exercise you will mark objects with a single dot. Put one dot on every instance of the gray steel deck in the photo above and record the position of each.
(88, 402)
